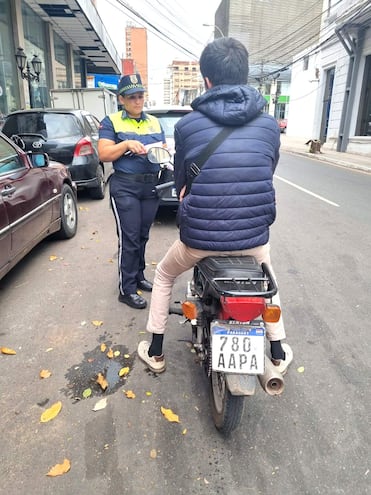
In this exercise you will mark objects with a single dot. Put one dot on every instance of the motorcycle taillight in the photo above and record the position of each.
(84, 147)
(241, 308)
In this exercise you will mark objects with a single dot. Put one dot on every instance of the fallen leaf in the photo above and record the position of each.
(59, 469)
(169, 415)
(6, 350)
(110, 260)
(153, 454)
(49, 349)
(301, 369)
(148, 394)
(53, 258)
(116, 353)
(87, 393)
(101, 404)
(110, 354)
(124, 371)
(103, 347)
(97, 323)
(102, 381)
(154, 263)
(184, 431)
(45, 373)
(51, 412)
(126, 356)
(130, 394)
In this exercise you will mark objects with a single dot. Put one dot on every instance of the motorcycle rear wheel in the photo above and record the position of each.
(226, 409)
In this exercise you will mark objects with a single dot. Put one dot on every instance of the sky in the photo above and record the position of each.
(176, 30)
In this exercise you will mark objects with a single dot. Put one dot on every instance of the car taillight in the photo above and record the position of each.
(84, 147)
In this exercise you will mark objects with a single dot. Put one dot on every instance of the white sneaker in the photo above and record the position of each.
(284, 363)
(155, 363)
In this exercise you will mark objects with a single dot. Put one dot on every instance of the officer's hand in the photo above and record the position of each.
(135, 146)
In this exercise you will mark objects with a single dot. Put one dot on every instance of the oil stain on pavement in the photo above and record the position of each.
(83, 376)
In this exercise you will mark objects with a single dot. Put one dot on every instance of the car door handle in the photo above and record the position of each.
(7, 191)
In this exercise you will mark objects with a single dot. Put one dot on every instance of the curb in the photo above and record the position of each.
(328, 159)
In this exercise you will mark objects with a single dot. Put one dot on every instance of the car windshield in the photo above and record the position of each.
(49, 125)
(168, 122)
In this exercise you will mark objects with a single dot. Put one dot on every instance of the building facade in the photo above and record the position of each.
(69, 39)
(272, 31)
(335, 82)
(136, 50)
(185, 83)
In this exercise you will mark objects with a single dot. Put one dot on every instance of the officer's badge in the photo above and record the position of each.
(134, 79)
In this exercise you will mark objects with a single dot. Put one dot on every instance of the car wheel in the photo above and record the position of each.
(68, 213)
(99, 191)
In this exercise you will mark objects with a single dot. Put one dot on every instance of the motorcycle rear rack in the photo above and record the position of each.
(245, 272)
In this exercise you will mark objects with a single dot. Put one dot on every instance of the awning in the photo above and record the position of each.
(78, 23)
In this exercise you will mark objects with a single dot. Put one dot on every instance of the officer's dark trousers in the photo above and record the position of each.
(134, 205)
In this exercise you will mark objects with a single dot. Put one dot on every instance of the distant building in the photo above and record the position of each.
(272, 33)
(136, 50)
(185, 82)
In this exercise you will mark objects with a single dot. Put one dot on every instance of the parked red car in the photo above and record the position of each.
(37, 198)
(282, 123)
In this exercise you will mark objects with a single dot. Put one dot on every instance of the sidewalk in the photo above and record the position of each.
(297, 145)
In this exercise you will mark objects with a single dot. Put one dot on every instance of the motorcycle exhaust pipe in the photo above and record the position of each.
(272, 380)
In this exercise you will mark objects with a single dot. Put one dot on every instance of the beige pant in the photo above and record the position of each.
(181, 258)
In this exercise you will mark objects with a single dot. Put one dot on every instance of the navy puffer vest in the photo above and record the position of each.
(232, 201)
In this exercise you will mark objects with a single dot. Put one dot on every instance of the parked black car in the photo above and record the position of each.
(67, 136)
(37, 199)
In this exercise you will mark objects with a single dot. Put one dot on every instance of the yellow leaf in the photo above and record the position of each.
(301, 369)
(103, 347)
(102, 381)
(126, 356)
(87, 393)
(130, 394)
(59, 469)
(148, 394)
(116, 353)
(124, 371)
(153, 454)
(110, 260)
(45, 373)
(110, 354)
(139, 292)
(51, 413)
(6, 350)
(169, 415)
(184, 431)
(154, 263)
(97, 323)
(53, 257)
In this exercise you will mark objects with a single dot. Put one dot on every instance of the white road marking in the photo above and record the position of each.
(306, 191)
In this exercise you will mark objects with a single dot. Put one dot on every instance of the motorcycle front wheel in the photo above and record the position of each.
(226, 409)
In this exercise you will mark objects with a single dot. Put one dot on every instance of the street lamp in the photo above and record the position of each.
(22, 63)
(217, 28)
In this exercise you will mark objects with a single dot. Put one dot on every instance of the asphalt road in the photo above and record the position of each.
(314, 439)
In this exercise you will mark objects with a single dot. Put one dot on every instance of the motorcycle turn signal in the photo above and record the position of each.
(271, 313)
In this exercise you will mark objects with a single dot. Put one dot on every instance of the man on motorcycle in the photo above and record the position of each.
(231, 204)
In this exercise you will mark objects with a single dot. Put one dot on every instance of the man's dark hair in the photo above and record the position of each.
(225, 61)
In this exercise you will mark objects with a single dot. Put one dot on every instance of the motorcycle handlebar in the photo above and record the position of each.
(165, 185)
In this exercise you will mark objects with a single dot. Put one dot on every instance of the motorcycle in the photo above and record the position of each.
(227, 303)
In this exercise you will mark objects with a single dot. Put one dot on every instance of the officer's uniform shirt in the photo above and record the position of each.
(120, 127)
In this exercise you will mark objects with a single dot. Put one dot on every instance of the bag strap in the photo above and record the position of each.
(196, 165)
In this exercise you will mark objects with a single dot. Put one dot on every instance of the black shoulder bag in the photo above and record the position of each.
(195, 167)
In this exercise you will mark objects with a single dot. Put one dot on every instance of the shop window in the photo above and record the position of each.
(60, 49)
(364, 116)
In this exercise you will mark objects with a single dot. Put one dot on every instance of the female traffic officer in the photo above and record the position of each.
(124, 138)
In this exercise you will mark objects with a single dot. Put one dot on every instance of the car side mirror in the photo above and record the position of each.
(39, 160)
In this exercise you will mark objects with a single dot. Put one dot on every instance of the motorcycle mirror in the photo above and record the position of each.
(158, 155)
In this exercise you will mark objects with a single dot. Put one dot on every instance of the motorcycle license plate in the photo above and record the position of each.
(173, 192)
(237, 348)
